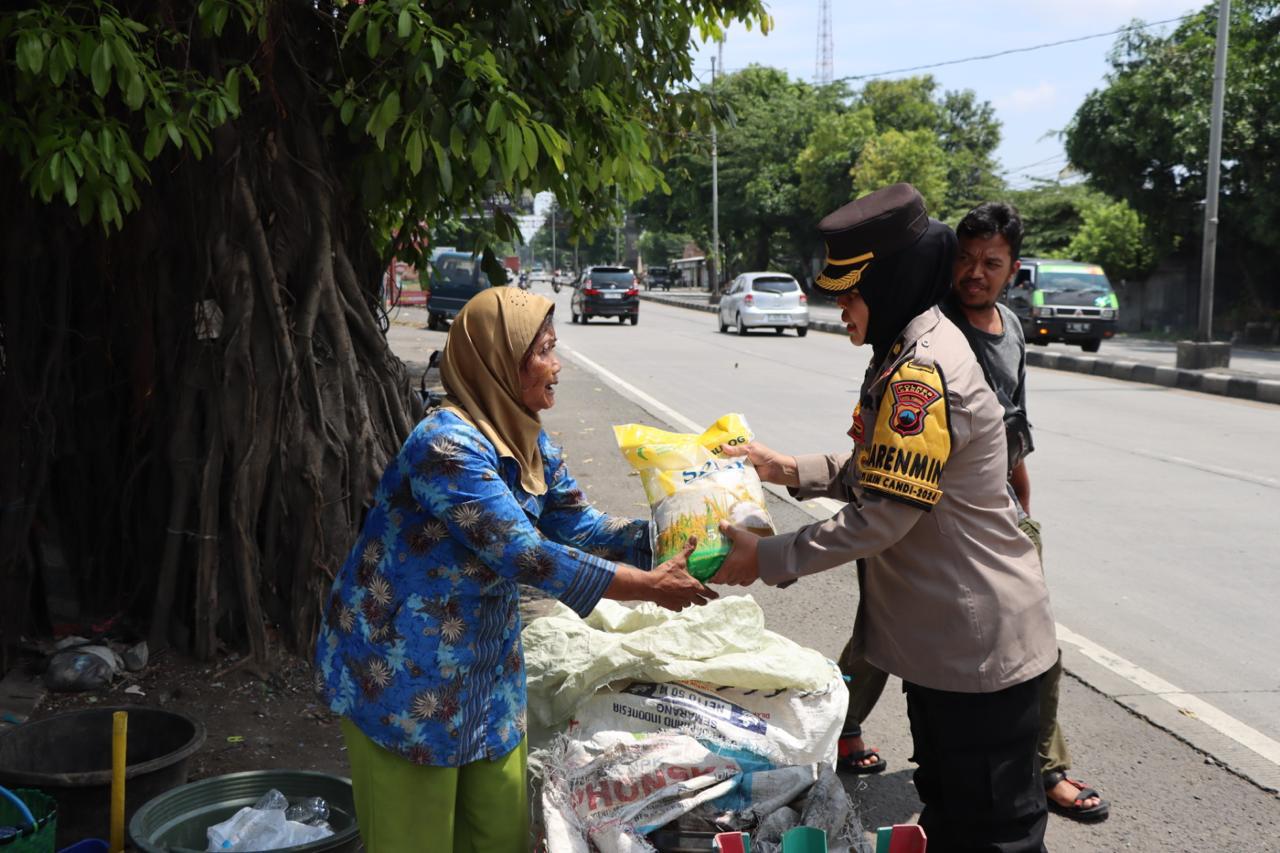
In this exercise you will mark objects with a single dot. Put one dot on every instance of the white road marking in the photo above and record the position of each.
(822, 508)
(1211, 716)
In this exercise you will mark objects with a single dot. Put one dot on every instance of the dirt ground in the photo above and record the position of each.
(254, 721)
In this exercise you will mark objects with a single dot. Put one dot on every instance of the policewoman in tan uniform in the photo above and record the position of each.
(952, 597)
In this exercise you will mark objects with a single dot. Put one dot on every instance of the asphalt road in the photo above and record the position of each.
(1161, 543)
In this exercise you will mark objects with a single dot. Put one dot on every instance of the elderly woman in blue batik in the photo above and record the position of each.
(419, 650)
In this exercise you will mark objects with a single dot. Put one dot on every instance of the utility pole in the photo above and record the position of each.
(553, 238)
(617, 228)
(714, 266)
(1208, 354)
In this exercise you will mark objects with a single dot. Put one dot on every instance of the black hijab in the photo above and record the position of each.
(919, 278)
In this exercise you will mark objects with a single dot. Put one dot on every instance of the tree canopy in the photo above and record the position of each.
(1144, 138)
(790, 152)
(203, 197)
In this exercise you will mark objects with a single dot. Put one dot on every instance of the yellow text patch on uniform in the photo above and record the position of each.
(912, 438)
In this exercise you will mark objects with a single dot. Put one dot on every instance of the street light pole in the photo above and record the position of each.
(715, 199)
(1210, 249)
(553, 238)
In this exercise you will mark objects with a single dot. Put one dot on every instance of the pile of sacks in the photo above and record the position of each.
(639, 716)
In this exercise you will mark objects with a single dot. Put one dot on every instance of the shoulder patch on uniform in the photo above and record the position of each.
(912, 438)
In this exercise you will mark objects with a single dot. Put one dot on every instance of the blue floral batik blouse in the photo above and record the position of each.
(420, 643)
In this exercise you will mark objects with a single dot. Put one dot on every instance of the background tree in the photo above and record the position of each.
(658, 248)
(825, 163)
(1113, 235)
(201, 199)
(1144, 138)
(914, 156)
(1052, 214)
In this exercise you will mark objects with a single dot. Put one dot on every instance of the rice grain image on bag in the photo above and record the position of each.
(691, 487)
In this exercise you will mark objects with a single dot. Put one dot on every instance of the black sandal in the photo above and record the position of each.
(1075, 811)
(849, 761)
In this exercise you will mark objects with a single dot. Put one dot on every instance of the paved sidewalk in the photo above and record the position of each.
(1254, 373)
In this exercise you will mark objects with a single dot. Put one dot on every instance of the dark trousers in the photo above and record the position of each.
(978, 774)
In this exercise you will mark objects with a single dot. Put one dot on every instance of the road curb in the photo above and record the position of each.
(1205, 382)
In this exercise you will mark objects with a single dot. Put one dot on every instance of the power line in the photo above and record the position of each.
(1009, 52)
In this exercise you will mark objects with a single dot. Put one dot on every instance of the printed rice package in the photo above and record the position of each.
(692, 487)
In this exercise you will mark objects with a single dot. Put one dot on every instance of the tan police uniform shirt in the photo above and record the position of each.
(953, 597)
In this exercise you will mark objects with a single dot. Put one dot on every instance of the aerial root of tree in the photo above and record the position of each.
(250, 404)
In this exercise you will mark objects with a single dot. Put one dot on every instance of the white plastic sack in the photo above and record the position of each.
(785, 726)
(607, 792)
(724, 642)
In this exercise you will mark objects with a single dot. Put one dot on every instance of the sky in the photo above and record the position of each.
(1034, 93)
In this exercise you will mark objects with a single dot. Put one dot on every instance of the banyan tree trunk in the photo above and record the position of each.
(195, 410)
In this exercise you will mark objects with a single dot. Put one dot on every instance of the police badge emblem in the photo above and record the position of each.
(911, 401)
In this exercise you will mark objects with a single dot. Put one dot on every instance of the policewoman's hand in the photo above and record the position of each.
(741, 567)
(772, 466)
(671, 586)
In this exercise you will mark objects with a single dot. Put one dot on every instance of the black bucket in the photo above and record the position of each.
(69, 757)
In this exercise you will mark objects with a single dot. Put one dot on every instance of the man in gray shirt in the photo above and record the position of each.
(990, 241)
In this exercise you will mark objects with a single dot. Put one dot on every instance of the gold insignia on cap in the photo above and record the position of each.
(846, 281)
(834, 262)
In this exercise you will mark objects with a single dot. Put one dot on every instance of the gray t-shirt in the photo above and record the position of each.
(1006, 357)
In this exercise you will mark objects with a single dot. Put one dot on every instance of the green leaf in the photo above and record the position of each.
(514, 145)
(404, 25)
(100, 73)
(174, 135)
(122, 172)
(413, 150)
(457, 142)
(493, 118)
(442, 163)
(481, 156)
(372, 39)
(155, 141)
(108, 207)
(30, 53)
(107, 143)
(389, 111)
(348, 110)
(135, 92)
(233, 89)
(69, 187)
(438, 49)
(530, 146)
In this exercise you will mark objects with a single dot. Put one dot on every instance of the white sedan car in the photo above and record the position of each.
(765, 300)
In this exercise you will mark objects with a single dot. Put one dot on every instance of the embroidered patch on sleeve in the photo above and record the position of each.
(912, 438)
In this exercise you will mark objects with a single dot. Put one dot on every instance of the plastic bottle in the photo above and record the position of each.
(311, 811)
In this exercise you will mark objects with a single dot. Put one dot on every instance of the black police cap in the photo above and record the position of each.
(868, 231)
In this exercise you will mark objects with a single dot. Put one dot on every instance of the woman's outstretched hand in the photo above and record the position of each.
(671, 585)
(668, 585)
(772, 466)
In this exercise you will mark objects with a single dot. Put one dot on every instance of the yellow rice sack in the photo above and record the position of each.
(691, 487)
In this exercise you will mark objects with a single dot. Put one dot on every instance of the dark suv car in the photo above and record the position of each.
(455, 278)
(656, 277)
(606, 292)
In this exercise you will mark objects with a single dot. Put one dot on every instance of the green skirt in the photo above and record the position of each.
(481, 807)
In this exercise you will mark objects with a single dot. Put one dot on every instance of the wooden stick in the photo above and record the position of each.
(119, 744)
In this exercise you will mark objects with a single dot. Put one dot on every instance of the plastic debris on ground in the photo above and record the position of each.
(692, 487)
(272, 823)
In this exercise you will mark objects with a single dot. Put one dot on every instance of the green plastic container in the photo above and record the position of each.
(177, 820)
(37, 839)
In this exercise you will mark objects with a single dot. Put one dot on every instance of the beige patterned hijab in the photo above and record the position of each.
(481, 373)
